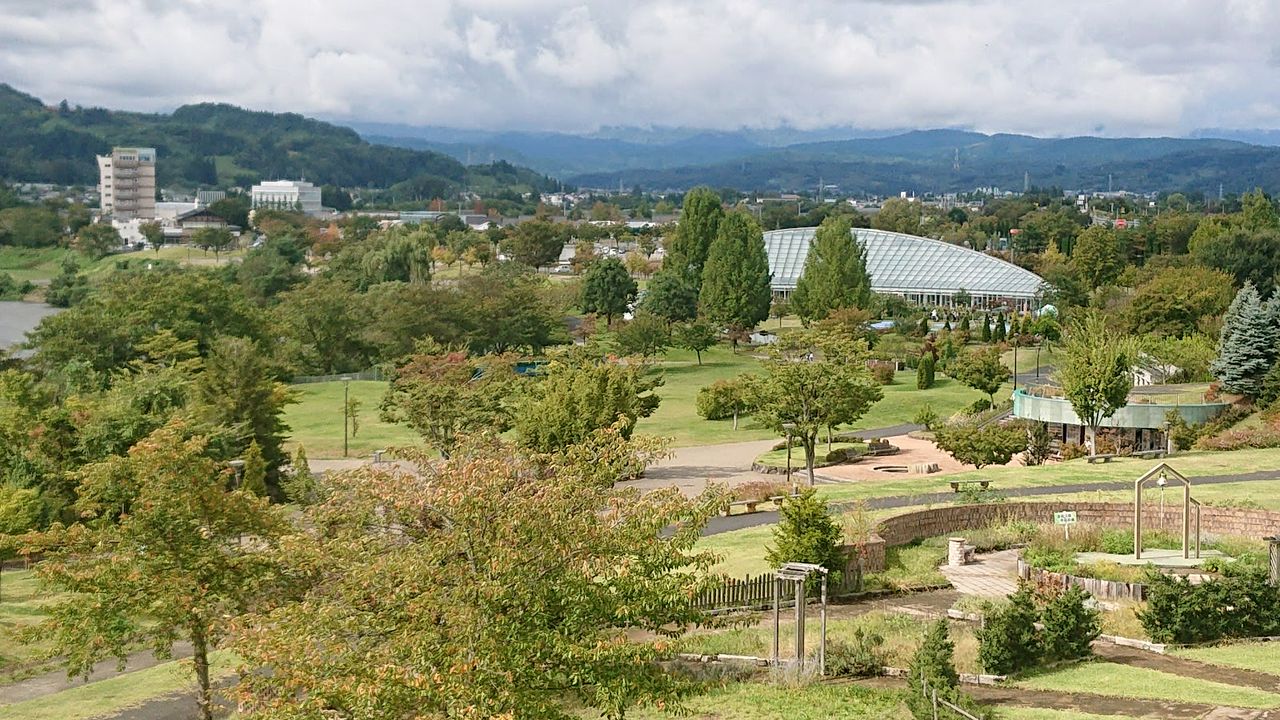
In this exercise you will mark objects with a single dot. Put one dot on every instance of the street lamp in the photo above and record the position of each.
(237, 466)
(346, 405)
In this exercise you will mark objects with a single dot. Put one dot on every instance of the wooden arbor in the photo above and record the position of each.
(797, 573)
(1161, 473)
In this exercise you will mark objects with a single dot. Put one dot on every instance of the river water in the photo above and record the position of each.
(16, 318)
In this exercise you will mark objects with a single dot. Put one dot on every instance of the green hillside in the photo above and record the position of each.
(216, 145)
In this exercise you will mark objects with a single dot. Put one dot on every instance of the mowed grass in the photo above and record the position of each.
(1113, 679)
(1259, 656)
(39, 265)
(35, 264)
(112, 696)
(22, 604)
(315, 421)
(770, 701)
(677, 415)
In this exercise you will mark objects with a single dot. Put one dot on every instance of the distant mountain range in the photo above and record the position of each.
(865, 162)
(221, 145)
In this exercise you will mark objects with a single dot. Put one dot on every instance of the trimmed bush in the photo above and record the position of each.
(1230, 607)
(883, 371)
(862, 656)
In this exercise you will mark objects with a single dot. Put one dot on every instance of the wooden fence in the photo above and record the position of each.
(757, 592)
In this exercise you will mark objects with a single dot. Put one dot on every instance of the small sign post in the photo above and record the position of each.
(1066, 519)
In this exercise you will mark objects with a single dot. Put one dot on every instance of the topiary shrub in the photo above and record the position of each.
(1008, 640)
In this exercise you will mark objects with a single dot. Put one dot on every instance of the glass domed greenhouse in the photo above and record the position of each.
(919, 269)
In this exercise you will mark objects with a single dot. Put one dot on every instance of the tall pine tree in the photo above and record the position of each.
(697, 229)
(735, 282)
(1247, 348)
(835, 272)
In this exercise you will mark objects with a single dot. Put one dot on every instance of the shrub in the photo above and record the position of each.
(1069, 625)
(841, 455)
(925, 371)
(1182, 434)
(933, 664)
(1180, 612)
(1039, 444)
(927, 417)
(978, 406)
(1008, 640)
(862, 656)
(1072, 451)
(883, 371)
(806, 532)
(1047, 557)
(720, 400)
(1257, 438)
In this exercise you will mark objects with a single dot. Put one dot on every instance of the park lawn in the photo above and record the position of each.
(1192, 464)
(1106, 678)
(1027, 359)
(1258, 656)
(778, 458)
(22, 604)
(902, 400)
(35, 264)
(110, 697)
(315, 421)
(770, 701)
(677, 415)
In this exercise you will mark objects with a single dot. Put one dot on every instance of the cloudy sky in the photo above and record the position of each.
(1047, 67)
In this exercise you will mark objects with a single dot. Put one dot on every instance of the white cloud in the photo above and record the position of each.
(1141, 67)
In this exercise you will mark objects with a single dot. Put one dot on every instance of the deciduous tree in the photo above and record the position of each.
(158, 558)
(697, 336)
(1096, 371)
(490, 585)
(576, 395)
(981, 370)
(671, 296)
(607, 289)
(971, 444)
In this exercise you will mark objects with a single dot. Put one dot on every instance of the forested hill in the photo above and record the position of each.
(222, 145)
(952, 161)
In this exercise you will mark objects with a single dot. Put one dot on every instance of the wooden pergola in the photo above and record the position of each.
(1161, 473)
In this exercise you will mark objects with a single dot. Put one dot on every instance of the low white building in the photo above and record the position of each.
(297, 195)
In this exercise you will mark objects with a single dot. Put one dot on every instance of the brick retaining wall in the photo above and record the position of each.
(935, 522)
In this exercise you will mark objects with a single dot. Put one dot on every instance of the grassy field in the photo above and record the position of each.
(677, 416)
(1192, 464)
(40, 264)
(315, 421)
(767, 701)
(21, 605)
(1104, 678)
(111, 696)
(1259, 656)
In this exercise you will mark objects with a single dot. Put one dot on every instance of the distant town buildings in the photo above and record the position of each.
(127, 183)
(297, 195)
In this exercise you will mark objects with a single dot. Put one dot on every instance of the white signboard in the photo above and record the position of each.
(1066, 517)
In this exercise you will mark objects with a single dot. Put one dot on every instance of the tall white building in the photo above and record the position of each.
(127, 183)
(286, 195)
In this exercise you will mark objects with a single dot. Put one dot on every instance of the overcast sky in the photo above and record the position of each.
(1046, 67)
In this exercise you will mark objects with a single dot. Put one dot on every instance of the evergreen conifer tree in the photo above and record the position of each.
(923, 327)
(932, 667)
(1247, 347)
(986, 328)
(735, 288)
(254, 477)
(925, 371)
(835, 272)
(998, 332)
(696, 230)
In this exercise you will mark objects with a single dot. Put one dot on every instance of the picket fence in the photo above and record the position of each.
(757, 592)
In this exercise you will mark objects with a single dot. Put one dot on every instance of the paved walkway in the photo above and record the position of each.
(990, 575)
(738, 522)
(56, 681)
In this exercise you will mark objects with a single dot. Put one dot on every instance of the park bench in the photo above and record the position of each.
(1157, 453)
(962, 485)
(751, 505)
(1101, 458)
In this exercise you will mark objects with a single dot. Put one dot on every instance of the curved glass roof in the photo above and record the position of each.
(900, 263)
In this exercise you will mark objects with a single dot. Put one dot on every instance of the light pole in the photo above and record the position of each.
(788, 428)
(237, 466)
(346, 405)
